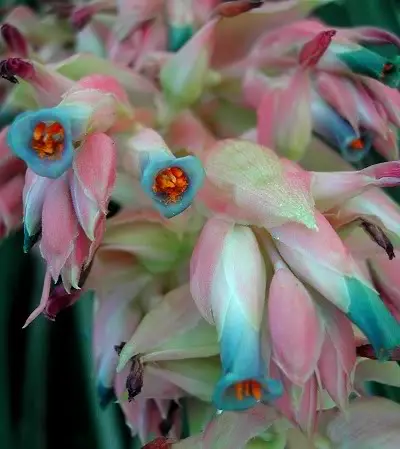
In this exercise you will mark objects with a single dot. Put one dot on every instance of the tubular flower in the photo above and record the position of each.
(79, 200)
(172, 183)
(322, 65)
(235, 305)
(48, 139)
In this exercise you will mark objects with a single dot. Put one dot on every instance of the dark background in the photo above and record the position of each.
(47, 394)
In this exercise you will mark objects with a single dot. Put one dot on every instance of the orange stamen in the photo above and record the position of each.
(172, 183)
(48, 140)
(248, 388)
(357, 144)
(239, 391)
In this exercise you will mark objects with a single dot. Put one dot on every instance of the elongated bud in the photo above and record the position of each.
(313, 50)
(15, 40)
(12, 68)
(82, 16)
(235, 8)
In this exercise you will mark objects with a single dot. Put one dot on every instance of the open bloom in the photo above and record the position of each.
(172, 183)
(230, 292)
(79, 201)
(48, 139)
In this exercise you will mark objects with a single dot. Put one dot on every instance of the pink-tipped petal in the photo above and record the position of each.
(388, 147)
(256, 187)
(203, 263)
(284, 402)
(35, 190)
(338, 93)
(317, 257)
(87, 211)
(103, 83)
(331, 189)
(93, 111)
(43, 300)
(49, 85)
(144, 146)
(335, 377)
(295, 327)
(188, 132)
(370, 116)
(340, 331)
(388, 97)
(284, 117)
(77, 261)
(95, 168)
(133, 13)
(184, 76)
(57, 241)
(203, 8)
(306, 407)
(236, 36)
(374, 205)
(255, 86)
(313, 50)
(371, 35)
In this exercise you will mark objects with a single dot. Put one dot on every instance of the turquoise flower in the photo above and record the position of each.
(368, 63)
(338, 133)
(244, 383)
(44, 139)
(172, 183)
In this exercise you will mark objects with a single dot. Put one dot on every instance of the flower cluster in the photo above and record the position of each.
(239, 273)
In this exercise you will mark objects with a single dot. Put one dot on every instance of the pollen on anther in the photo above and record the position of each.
(171, 183)
(248, 388)
(356, 144)
(48, 140)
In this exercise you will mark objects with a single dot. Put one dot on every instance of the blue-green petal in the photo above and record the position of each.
(369, 313)
(193, 169)
(241, 359)
(19, 138)
(337, 132)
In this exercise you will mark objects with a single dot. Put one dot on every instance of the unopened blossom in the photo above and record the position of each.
(366, 114)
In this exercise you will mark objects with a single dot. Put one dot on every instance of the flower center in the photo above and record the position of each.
(248, 388)
(357, 144)
(48, 140)
(172, 183)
